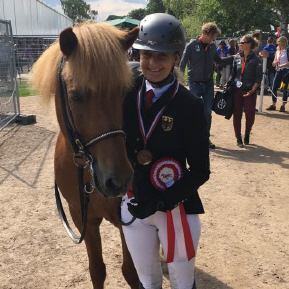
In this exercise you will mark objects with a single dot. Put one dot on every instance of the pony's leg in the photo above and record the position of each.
(128, 269)
(92, 241)
(97, 267)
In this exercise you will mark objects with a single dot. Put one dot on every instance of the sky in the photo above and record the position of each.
(105, 7)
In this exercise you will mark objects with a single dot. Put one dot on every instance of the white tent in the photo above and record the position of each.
(32, 17)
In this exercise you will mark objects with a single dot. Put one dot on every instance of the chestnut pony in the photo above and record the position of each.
(89, 60)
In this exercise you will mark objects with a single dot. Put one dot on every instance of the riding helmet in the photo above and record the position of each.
(161, 32)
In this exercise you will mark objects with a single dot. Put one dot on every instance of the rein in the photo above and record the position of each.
(80, 152)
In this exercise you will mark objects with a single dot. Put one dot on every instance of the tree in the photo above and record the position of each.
(155, 6)
(180, 8)
(283, 15)
(138, 14)
(77, 10)
(93, 15)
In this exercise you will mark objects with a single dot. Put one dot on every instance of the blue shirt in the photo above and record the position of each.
(223, 53)
(271, 49)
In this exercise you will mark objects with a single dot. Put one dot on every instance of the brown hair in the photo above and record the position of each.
(211, 28)
(257, 35)
(249, 38)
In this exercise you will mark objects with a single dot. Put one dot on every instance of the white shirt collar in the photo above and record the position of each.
(158, 91)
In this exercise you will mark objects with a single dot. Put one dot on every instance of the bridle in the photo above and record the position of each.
(81, 157)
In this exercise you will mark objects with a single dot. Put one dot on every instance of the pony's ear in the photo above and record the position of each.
(130, 38)
(67, 41)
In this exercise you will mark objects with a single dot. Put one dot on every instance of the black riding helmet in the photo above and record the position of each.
(161, 32)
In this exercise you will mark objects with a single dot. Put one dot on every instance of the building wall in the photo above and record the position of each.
(33, 17)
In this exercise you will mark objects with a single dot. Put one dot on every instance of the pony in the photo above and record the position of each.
(90, 59)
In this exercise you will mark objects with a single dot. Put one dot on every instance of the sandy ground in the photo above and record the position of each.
(245, 231)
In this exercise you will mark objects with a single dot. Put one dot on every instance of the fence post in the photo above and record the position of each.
(262, 84)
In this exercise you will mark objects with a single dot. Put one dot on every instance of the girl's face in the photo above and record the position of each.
(156, 66)
(281, 43)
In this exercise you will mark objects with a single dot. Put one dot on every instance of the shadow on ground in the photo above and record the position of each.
(203, 279)
(20, 146)
(206, 281)
(255, 154)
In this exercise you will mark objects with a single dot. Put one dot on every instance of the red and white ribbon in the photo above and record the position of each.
(164, 173)
(154, 123)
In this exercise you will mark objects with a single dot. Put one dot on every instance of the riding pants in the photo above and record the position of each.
(143, 238)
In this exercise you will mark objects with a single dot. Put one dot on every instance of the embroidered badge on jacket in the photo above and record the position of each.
(167, 123)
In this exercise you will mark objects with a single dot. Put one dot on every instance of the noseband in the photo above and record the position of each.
(82, 158)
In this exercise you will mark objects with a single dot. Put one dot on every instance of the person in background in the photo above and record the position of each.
(167, 145)
(281, 64)
(225, 68)
(258, 37)
(271, 50)
(232, 47)
(200, 56)
(247, 77)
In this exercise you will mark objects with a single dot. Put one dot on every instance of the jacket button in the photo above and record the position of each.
(137, 139)
(135, 151)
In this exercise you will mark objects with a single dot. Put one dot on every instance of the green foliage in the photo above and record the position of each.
(77, 10)
(155, 6)
(192, 26)
(235, 18)
(138, 14)
(180, 8)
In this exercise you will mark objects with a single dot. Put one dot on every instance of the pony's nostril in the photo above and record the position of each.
(114, 186)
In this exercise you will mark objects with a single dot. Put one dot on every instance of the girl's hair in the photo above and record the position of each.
(232, 43)
(249, 38)
(284, 40)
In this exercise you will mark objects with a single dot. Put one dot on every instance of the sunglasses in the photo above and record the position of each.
(242, 42)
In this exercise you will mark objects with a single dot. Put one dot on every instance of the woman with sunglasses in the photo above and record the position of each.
(281, 64)
(247, 77)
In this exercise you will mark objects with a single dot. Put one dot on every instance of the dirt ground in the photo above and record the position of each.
(245, 231)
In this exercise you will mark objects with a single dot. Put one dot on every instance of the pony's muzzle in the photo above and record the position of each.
(113, 184)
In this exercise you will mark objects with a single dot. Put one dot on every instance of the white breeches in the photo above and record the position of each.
(143, 238)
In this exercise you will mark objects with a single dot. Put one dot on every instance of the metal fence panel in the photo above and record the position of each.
(9, 97)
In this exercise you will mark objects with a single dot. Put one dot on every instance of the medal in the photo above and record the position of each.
(239, 83)
(144, 157)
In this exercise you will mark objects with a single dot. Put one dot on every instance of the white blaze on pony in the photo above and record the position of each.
(96, 76)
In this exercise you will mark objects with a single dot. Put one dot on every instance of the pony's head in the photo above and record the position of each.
(96, 75)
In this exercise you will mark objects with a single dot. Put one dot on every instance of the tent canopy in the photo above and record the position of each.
(124, 23)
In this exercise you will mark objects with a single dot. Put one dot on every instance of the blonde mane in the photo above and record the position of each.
(98, 63)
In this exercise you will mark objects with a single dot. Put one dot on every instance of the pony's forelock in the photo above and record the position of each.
(98, 62)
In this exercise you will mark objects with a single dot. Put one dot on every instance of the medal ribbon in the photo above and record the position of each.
(154, 123)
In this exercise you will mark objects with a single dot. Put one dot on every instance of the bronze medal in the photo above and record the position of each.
(144, 157)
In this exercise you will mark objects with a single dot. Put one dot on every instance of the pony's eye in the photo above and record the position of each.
(75, 95)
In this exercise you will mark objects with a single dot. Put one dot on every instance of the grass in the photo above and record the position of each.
(25, 89)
